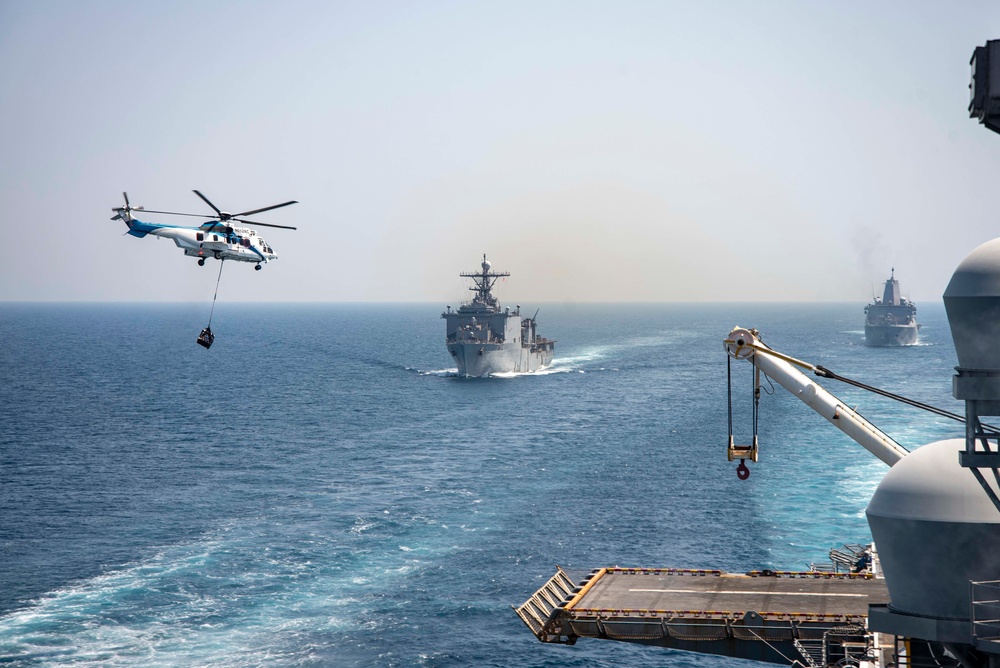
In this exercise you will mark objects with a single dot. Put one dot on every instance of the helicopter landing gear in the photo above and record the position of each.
(217, 256)
(201, 262)
(257, 267)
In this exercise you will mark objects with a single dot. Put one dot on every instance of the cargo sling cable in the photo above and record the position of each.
(206, 338)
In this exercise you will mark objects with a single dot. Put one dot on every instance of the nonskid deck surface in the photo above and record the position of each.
(666, 606)
(716, 593)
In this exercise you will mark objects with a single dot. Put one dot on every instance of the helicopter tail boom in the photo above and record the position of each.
(136, 227)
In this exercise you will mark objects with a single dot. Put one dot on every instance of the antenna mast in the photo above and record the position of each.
(484, 282)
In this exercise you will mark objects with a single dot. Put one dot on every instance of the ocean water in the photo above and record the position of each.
(319, 489)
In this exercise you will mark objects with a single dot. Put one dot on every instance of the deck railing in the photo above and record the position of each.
(986, 612)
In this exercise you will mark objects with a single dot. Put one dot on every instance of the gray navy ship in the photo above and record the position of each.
(891, 321)
(485, 339)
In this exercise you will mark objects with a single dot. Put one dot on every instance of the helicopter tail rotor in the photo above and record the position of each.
(125, 212)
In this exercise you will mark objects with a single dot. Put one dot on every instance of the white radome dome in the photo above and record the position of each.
(936, 530)
(929, 485)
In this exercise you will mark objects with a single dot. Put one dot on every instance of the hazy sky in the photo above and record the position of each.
(600, 151)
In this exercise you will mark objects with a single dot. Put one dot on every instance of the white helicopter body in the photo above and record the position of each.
(218, 239)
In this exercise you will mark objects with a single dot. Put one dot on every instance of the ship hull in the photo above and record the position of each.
(480, 360)
(485, 339)
(891, 335)
(891, 321)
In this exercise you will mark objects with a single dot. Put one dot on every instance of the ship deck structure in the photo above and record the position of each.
(813, 618)
(485, 338)
(891, 320)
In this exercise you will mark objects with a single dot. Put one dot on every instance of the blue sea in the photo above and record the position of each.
(319, 489)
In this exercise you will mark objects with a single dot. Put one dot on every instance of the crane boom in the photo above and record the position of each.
(745, 344)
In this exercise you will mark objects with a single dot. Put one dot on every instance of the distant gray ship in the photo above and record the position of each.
(485, 340)
(891, 321)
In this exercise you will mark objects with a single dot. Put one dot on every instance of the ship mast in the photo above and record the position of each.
(484, 282)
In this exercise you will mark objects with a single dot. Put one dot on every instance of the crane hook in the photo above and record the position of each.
(742, 472)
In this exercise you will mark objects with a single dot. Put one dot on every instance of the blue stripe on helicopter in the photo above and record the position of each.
(137, 228)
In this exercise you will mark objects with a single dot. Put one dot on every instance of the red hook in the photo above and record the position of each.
(742, 472)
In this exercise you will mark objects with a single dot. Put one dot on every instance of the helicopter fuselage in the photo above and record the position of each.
(219, 240)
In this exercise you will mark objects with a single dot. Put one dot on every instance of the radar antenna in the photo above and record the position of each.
(484, 282)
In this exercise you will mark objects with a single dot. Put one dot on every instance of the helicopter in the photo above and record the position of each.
(217, 238)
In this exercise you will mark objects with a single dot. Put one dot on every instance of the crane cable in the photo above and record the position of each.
(755, 384)
(729, 393)
(742, 472)
(823, 372)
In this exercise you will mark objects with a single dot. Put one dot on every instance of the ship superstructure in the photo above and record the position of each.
(891, 321)
(485, 338)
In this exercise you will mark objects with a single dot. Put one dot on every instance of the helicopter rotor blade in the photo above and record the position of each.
(216, 221)
(175, 213)
(222, 216)
(253, 222)
(266, 208)
(208, 202)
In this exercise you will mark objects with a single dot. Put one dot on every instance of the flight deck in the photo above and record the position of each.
(763, 615)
